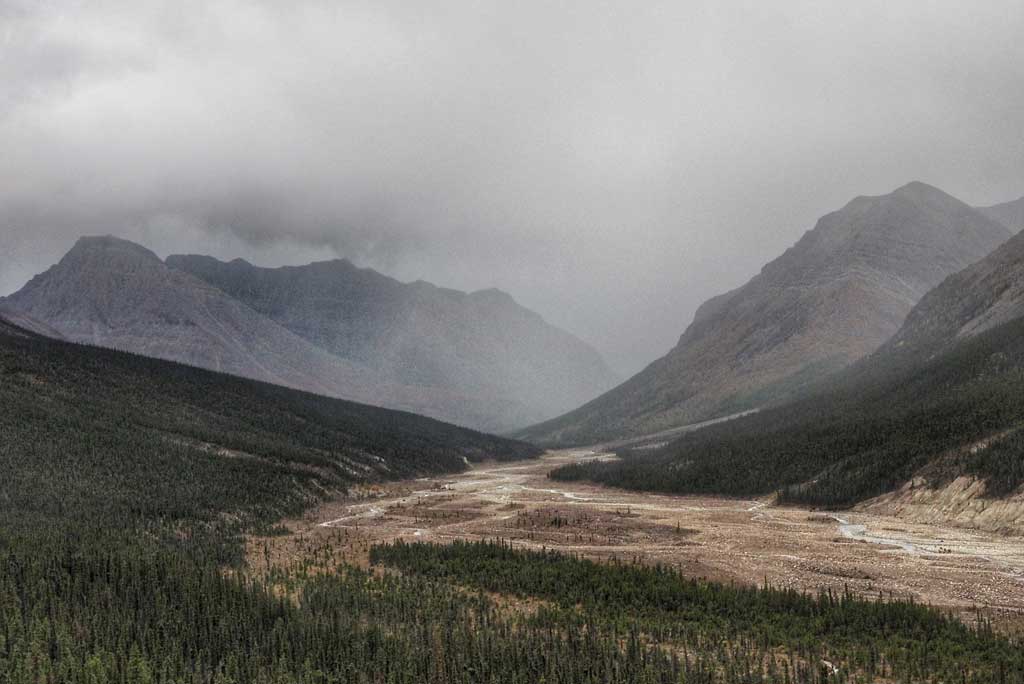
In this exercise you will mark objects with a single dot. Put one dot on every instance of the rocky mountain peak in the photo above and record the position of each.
(330, 327)
(982, 296)
(110, 247)
(833, 297)
(918, 191)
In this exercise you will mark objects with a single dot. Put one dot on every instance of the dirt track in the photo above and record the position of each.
(724, 539)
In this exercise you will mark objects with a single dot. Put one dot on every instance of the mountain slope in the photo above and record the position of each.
(881, 424)
(12, 318)
(99, 436)
(127, 482)
(1010, 214)
(114, 293)
(978, 298)
(481, 345)
(831, 299)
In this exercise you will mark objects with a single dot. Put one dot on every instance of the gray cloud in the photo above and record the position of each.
(611, 164)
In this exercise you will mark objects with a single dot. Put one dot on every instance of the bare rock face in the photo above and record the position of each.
(978, 298)
(831, 299)
(481, 345)
(1010, 214)
(311, 329)
(960, 503)
(18, 322)
(113, 293)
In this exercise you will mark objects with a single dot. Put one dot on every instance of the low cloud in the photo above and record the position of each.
(610, 165)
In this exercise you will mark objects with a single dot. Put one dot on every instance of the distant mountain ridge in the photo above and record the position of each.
(18, 322)
(838, 294)
(99, 437)
(930, 426)
(943, 431)
(419, 334)
(982, 296)
(1010, 214)
(114, 293)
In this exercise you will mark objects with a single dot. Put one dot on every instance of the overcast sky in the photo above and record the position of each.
(611, 164)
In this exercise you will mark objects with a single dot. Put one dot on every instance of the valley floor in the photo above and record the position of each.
(717, 538)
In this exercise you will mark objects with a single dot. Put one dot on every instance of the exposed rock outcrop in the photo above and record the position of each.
(1010, 214)
(831, 299)
(479, 359)
(961, 503)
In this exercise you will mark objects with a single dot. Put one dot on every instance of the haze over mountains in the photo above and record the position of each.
(972, 301)
(478, 359)
(944, 430)
(98, 435)
(419, 335)
(929, 426)
(1010, 214)
(11, 317)
(481, 360)
(834, 297)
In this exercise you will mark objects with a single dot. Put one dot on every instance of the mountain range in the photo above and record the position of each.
(99, 436)
(834, 297)
(482, 344)
(481, 360)
(929, 425)
(980, 297)
(478, 360)
(1010, 214)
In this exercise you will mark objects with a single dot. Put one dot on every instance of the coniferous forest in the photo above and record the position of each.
(102, 436)
(121, 528)
(866, 432)
(743, 633)
(491, 342)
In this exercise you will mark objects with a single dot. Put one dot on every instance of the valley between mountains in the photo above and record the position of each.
(511, 343)
(745, 541)
(821, 483)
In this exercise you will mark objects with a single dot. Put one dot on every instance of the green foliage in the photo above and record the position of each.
(106, 439)
(1000, 463)
(761, 626)
(127, 484)
(874, 428)
(136, 615)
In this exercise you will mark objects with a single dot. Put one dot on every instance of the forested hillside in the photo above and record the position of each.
(106, 439)
(128, 483)
(719, 632)
(880, 423)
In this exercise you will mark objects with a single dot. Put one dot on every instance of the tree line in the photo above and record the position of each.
(768, 632)
(871, 429)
